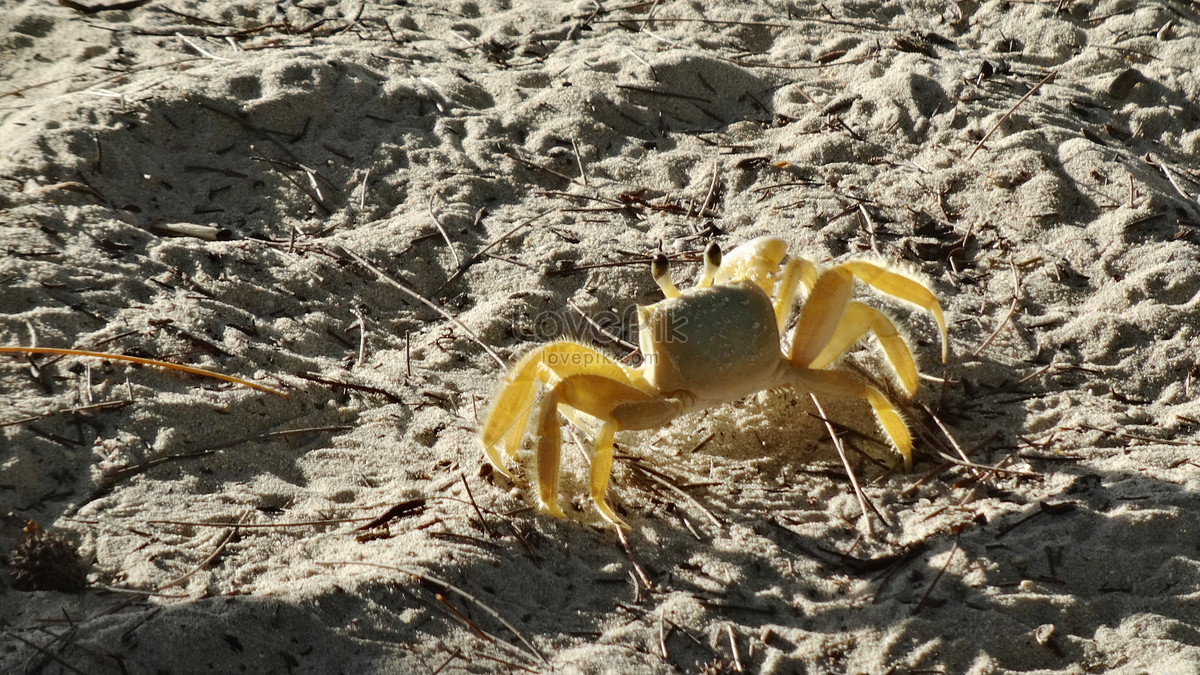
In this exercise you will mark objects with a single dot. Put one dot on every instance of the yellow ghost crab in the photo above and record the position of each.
(713, 343)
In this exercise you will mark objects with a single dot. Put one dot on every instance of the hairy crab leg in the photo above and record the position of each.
(820, 315)
(505, 424)
(858, 320)
(595, 395)
(602, 457)
(796, 273)
(549, 454)
(830, 323)
(903, 287)
(843, 384)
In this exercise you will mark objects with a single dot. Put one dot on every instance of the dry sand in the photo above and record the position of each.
(573, 139)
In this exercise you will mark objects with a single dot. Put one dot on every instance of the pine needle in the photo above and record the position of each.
(146, 362)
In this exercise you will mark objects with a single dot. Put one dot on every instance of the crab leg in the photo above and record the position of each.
(830, 323)
(819, 317)
(505, 425)
(595, 395)
(903, 287)
(797, 272)
(602, 457)
(843, 384)
(549, 454)
(858, 320)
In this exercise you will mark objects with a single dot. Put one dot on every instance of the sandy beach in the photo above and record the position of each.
(372, 209)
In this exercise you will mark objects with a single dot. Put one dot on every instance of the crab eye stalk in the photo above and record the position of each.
(659, 265)
(659, 269)
(712, 262)
(712, 254)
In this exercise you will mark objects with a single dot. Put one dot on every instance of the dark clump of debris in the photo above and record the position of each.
(47, 561)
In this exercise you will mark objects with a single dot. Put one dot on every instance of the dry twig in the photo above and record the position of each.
(863, 503)
(425, 301)
(1049, 77)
